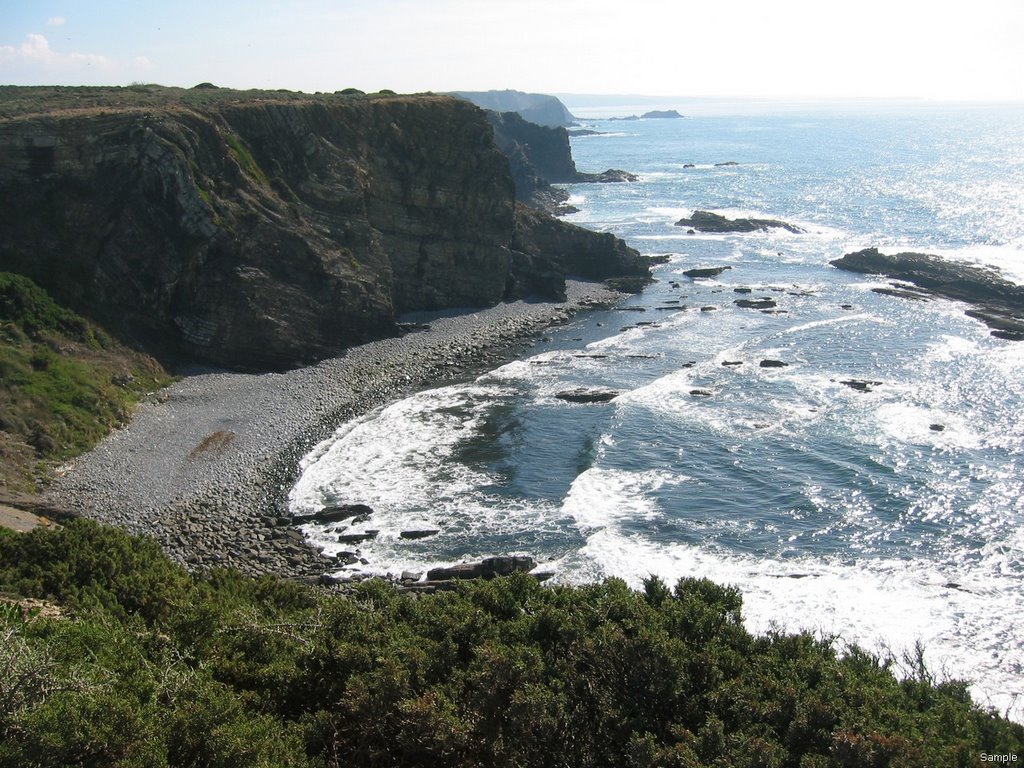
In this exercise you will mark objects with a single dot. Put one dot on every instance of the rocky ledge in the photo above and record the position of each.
(996, 301)
(705, 221)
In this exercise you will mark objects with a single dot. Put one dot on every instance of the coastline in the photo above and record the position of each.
(205, 465)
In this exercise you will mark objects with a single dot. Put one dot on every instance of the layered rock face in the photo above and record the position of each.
(261, 233)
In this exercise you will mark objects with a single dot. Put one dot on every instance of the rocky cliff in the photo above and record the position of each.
(259, 230)
(539, 108)
(540, 156)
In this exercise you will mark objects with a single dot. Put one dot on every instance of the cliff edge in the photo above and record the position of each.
(263, 230)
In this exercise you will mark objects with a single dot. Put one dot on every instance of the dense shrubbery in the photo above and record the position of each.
(155, 667)
(64, 383)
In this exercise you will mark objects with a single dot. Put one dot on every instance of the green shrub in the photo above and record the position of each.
(64, 383)
(220, 670)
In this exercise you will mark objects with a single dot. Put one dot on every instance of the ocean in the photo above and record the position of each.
(890, 516)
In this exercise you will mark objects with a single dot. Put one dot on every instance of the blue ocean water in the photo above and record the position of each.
(885, 517)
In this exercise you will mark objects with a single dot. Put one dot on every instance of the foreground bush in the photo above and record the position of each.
(153, 667)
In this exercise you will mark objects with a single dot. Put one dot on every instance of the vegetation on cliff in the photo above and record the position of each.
(64, 383)
(137, 663)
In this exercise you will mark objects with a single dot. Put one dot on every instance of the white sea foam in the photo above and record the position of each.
(386, 459)
(600, 497)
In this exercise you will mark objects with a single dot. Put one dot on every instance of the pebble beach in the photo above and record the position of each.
(205, 465)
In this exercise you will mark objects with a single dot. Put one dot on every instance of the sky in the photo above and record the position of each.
(720, 48)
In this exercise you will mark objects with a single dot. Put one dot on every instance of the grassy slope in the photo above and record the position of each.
(64, 383)
(152, 667)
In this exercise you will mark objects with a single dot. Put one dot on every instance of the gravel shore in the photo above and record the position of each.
(205, 466)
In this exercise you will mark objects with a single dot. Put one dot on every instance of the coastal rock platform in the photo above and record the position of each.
(996, 301)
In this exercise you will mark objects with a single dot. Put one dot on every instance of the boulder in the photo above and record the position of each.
(336, 513)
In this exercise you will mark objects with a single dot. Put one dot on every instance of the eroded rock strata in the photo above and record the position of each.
(260, 231)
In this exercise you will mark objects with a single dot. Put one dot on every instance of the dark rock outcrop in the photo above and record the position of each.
(997, 302)
(577, 251)
(704, 272)
(755, 303)
(337, 513)
(544, 149)
(260, 231)
(485, 569)
(705, 221)
(419, 533)
(861, 385)
(583, 395)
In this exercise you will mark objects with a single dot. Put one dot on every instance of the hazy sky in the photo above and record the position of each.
(784, 48)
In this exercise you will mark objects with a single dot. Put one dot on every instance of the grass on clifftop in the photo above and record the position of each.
(146, 665)
(64, 383)
(16, 100)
